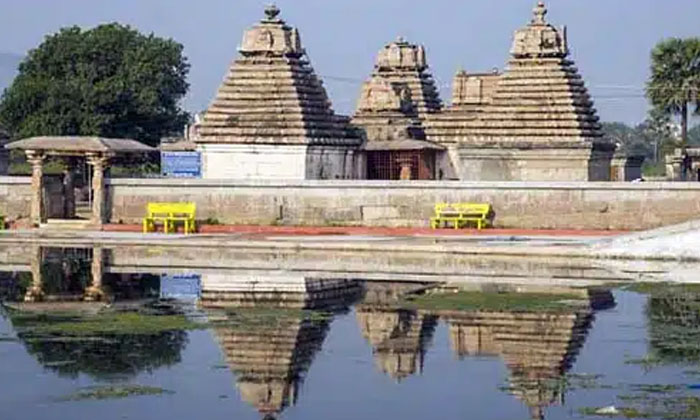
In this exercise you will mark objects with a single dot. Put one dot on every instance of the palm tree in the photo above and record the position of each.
(675, 79)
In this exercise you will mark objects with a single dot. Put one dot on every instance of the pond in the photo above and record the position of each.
(246, 345)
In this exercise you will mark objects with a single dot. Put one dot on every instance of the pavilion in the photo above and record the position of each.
(95, 150)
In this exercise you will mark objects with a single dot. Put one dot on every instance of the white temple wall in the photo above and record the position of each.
(276, 162)
(261, 162)
(510, 164)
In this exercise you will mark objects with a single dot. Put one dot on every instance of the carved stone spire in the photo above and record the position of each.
(540, 13)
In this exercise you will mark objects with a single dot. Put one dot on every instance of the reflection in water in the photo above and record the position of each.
(399, 337)
(67, 334)
(537, 348)
(271, 344)
(271, 327)
(106, 356)
(674, 324)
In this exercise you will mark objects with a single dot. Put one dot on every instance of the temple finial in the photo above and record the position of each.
(271, 12)
(540, 13)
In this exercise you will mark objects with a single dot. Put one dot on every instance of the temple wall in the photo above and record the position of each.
(15, 197)
(271, 162)
(572, 205)
(495, 164)
(330, 163)
(241, 161)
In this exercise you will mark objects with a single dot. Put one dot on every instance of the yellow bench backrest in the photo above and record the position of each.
(478, 208)
(171, 209)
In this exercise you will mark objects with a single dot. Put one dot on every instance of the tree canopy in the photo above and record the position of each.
(674, 85)
(107, 81)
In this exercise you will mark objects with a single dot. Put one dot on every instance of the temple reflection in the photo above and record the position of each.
(271, 325)
(399, 337)
(539, 347)
(271, 344)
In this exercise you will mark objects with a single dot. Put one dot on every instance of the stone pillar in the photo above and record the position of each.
(95, 292)
(35, 293)
(36, 160)
(674, 166)
(69, 188)
(99, 164)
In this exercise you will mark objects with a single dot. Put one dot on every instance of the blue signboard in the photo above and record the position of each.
(181, 164)
(180, 286)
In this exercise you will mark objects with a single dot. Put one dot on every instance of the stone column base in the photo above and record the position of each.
(34, 294)
(95, 294)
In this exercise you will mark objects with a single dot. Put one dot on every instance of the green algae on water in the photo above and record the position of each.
(115, 392)
(494, 301)
(117, 323)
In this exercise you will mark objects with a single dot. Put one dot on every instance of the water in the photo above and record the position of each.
(220, 346)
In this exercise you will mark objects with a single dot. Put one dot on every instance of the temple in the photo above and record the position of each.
(533, 122)
(271, 118)
(399, 95)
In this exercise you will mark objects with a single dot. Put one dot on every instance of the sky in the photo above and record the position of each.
(610, 39)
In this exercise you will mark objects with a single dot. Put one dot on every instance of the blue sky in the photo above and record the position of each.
(610, 39)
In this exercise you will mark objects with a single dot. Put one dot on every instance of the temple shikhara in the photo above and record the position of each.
(272, 117)
(394, 102)
(535, 121)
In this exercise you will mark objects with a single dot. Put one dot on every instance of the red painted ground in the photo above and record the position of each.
(374, 231)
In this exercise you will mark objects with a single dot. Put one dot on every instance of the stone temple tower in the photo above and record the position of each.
(271, 118)
(534, 122)
(399, 95)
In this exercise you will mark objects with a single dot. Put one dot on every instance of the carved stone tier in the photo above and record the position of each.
(271, 95)
(401, 81)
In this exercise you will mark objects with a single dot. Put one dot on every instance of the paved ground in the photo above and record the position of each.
(379, 231)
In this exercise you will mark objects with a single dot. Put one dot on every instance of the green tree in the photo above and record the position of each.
(108, 81)
(675, 79)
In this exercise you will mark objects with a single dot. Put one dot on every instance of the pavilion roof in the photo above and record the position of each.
(398, 145)
(79, 145)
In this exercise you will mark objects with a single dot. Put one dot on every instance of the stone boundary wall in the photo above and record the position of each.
(572, 205)
(15, 197)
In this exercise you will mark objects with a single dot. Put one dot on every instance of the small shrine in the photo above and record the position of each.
(271, 118)
(534, 122)
(400, 94)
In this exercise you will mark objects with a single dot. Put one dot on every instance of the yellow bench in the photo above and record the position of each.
(460, 214)
(169, 215)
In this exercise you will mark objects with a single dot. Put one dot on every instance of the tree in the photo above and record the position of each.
(675, 79)
(108, 81)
